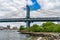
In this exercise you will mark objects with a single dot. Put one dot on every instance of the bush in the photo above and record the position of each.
(56, 28)
(48, 29)
(22, 27)
(47, 24)
(34, 28)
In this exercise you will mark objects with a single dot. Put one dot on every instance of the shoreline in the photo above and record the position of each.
(43, 34)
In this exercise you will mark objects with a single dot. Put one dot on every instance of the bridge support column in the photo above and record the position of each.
(27, 23)
(28, 16)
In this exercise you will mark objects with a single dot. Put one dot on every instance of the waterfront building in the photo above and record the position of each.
(8, 26)
(15, 28)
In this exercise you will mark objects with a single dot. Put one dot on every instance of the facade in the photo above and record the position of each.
(8, 26)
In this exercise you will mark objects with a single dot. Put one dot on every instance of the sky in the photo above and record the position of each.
(39, 8)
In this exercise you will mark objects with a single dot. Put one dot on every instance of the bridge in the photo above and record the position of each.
(28, 20)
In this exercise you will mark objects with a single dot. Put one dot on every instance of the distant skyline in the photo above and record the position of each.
(39, 8)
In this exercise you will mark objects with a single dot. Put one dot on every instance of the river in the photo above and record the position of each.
(14, 35)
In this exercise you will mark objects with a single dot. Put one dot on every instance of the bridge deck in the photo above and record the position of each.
(30, 19)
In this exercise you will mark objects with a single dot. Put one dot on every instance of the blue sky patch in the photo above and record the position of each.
(35, 5)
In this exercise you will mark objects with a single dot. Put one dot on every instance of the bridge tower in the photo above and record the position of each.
(28, 16)
(28, 12)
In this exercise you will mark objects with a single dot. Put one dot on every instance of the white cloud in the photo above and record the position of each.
(12, 8)
(29, 2)
(49, 4)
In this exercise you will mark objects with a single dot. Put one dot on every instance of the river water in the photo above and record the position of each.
(14, 35)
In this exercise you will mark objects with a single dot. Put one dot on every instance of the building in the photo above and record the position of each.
(8, 26)
(15, 28)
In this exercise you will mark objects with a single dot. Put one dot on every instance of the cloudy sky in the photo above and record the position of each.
(39, 8)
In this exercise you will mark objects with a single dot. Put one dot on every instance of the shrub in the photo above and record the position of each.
(47, 24)
(22, 27)
(35, 28)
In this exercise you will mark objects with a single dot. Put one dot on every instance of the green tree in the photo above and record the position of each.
(56, 28)
(35, 28)
(46, 27)
(47, 24)
(22, 27)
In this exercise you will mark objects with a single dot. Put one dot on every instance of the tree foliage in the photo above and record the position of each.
(45, 27)
(22, 28)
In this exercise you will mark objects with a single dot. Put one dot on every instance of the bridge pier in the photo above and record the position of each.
(28, 23)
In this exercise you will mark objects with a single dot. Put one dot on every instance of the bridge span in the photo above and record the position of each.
(30, 19)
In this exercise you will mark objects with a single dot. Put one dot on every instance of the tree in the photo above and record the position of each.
(35, 28)
(47, 24)
(22, 27)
